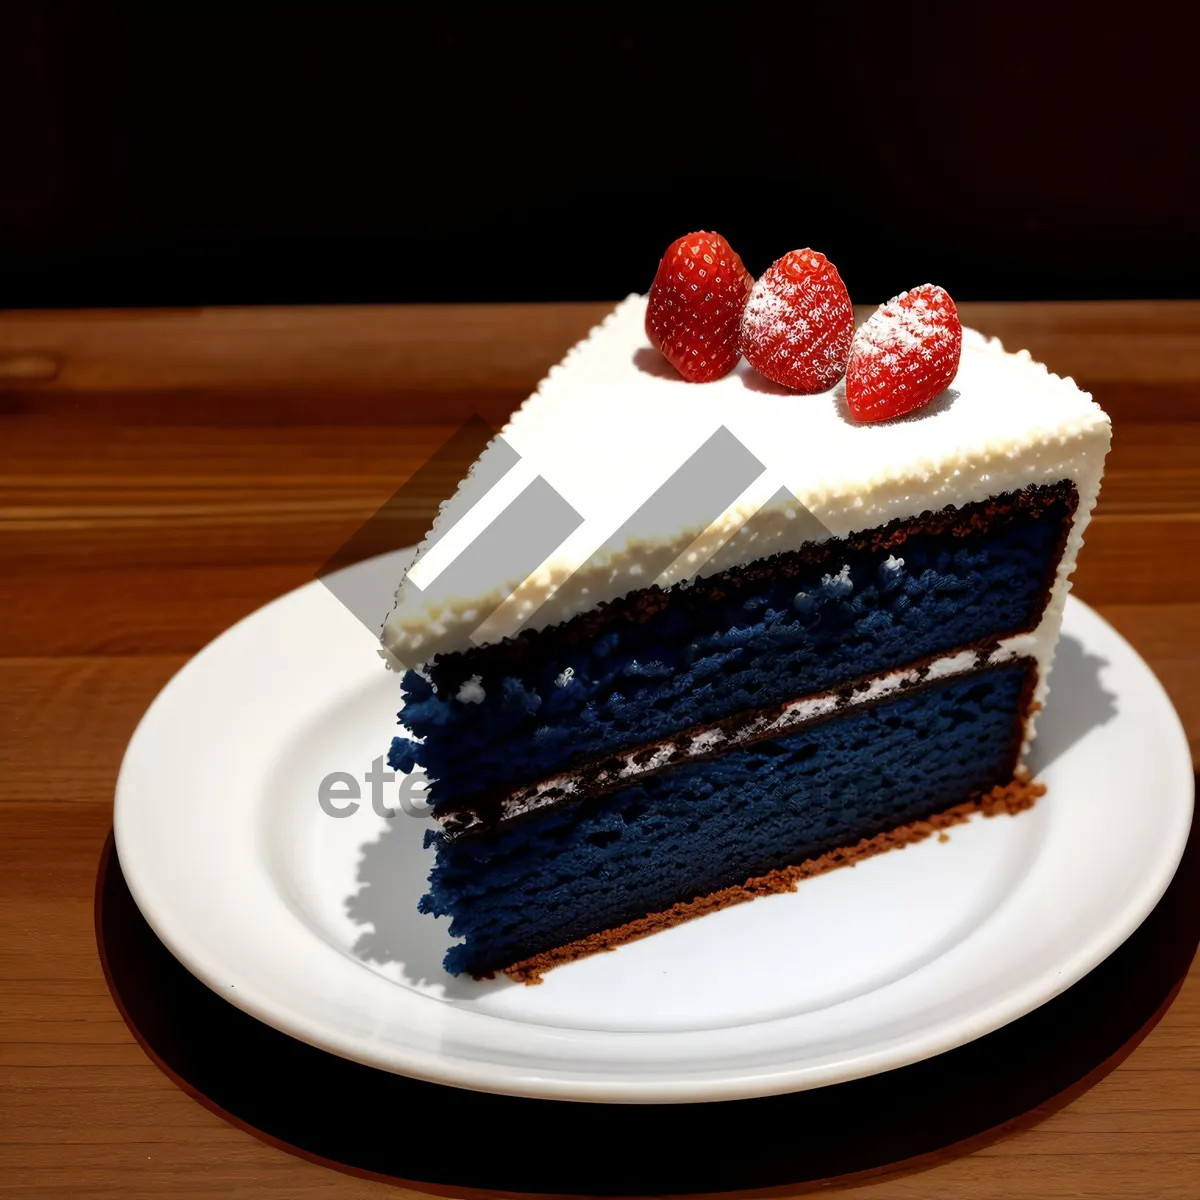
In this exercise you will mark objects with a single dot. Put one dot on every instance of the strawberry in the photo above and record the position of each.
(904, 354)
(695, 306)
(798, 323)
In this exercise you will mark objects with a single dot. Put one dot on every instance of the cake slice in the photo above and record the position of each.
(671, 646)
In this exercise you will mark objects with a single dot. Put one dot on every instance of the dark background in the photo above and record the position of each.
(179, 153)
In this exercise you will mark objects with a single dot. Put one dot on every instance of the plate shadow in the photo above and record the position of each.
(906, 1120)
(392, 874)
(1078, 703)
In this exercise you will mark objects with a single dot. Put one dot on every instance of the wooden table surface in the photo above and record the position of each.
(163, 473)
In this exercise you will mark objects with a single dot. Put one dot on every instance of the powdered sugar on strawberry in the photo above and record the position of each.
(904, 355)
(798, 323)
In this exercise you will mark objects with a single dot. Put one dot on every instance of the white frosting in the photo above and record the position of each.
(788, 718)
(613, 421)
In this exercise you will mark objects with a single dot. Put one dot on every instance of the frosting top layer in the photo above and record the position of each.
(617, 474)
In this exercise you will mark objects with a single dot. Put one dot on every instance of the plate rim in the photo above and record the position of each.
(714, 1085)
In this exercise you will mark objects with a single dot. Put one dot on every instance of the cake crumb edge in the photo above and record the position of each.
(1010, 798)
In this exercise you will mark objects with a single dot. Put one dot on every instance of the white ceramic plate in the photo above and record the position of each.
(308, 921)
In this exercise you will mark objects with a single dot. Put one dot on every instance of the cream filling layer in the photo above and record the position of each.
(631, 764)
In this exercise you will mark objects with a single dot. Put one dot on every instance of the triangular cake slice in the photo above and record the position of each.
(673, 645)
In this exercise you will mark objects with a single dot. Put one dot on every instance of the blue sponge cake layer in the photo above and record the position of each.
(638, 670)
(704, 828)
(692, 697)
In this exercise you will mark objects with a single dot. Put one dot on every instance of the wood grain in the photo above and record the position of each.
(164, 473)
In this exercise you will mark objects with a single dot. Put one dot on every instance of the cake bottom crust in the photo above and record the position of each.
(1009, 798)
